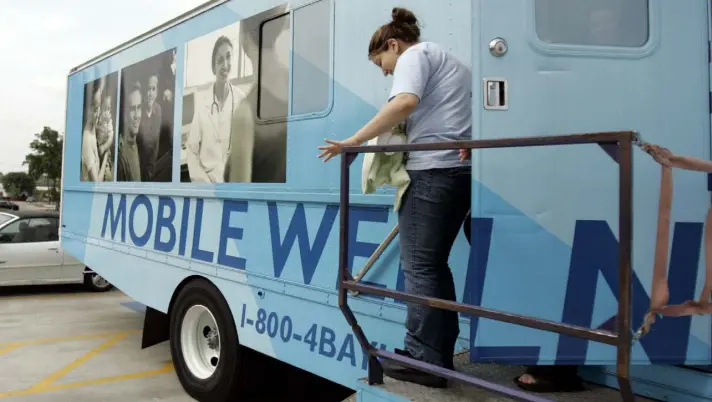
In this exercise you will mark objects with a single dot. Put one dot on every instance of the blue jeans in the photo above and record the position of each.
(430, 217)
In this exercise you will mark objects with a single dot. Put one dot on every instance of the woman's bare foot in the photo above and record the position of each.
(527, 379)
(550, 379)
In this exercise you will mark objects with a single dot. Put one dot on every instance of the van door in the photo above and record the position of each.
(576, 66)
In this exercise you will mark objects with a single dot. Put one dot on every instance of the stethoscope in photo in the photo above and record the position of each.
(215, 101)
(216, 106)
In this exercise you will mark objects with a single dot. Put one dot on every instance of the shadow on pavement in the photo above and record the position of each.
(45, 290)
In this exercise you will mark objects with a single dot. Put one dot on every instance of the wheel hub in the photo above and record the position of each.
(99, 281)
(200, 341)
(213, 339)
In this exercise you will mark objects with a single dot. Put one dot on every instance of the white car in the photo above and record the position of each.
(30, 253)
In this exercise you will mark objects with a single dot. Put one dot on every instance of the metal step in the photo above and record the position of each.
(495, 373)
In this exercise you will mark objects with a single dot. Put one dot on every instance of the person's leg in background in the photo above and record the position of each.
(540, 378)
(430, 218)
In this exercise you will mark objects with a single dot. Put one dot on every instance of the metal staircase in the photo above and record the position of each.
(621, 339)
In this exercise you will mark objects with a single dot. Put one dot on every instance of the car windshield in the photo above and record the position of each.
(5, 218)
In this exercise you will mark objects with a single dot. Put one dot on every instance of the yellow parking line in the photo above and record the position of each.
(51, 388)
(167, 368)
(7, 348)
(63, 339)
(68, 368)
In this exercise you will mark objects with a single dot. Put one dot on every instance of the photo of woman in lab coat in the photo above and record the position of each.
(222, 127)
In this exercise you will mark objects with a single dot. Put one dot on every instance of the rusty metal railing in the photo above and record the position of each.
(622, 338)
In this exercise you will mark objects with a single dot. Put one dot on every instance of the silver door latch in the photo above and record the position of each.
(496, 96)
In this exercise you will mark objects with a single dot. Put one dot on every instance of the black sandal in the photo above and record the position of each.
(549, 379)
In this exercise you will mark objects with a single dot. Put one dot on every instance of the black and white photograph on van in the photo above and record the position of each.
(99, 128)
(145, 142)
(234, 109)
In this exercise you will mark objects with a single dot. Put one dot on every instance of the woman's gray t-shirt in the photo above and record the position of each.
(444, 86)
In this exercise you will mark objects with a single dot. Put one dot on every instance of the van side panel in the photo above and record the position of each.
(271, 248)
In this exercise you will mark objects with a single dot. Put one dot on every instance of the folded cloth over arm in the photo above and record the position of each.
(386, 168)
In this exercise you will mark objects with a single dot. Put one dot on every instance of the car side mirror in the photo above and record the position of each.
(5, 238)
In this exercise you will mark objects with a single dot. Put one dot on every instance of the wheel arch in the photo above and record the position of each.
(183, 284)
(156, 324)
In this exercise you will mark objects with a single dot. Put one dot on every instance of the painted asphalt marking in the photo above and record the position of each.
(48, 384)
(54, 377)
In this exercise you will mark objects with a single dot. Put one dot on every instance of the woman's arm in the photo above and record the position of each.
(394, 112)
(102, 170)
(88, 156)
(109, 143)
(195, 168)
(409, 81)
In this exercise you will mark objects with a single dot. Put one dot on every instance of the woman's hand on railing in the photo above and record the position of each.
(335, 147)
(465, 154)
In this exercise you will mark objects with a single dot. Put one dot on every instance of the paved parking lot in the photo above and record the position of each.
(62, 344)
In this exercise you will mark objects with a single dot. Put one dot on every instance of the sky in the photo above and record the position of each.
(41, 40)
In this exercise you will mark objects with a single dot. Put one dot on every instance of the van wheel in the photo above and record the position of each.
(96, 283)
(208, 359)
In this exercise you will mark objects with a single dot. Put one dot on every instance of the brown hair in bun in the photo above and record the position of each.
(404, 26)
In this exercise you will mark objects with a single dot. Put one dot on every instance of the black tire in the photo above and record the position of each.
(90, 284)
(230, 379)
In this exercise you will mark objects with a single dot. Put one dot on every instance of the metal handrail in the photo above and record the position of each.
(622, 339)
(374, 257)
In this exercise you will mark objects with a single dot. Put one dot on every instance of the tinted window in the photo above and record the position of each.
(312, 43)
(5, 218)
(31, 230)
(274, 68)
(593, 22)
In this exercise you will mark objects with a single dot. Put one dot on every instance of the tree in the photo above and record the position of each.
(18, 183)
(46, 158)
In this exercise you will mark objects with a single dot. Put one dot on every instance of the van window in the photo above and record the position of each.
(312, 43)
(593, 23)
(275, 42)
(310, 39)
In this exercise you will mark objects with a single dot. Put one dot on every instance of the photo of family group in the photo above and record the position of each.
(221, 138)
(145, 140)
(98, 129)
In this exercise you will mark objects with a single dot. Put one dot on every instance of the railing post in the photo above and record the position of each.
(343, 227)
(375, 371)
(625, 231)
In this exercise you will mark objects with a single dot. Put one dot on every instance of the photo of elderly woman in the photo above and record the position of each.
(98, 129)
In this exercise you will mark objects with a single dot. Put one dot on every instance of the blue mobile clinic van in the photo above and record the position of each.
(191, 182)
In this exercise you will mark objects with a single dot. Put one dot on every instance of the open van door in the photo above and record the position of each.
(577, 66)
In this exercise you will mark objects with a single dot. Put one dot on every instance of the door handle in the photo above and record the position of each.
(496, 94)
(53, 249)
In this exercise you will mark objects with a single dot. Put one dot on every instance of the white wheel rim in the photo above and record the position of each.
(200, 342)
(99, 281)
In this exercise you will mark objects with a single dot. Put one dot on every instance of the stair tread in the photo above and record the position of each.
(495, 373)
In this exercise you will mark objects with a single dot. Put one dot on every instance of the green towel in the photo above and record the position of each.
(381, 169)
